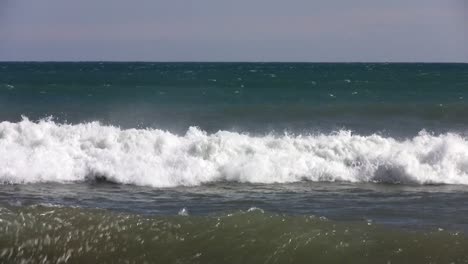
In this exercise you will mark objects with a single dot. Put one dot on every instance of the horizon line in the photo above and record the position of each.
(214, 61)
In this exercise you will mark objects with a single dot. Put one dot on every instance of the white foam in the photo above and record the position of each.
(183, 212)
(49, 152)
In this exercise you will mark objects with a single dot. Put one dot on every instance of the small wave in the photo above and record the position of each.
(46, 151)
(8, 86)
(183, 212)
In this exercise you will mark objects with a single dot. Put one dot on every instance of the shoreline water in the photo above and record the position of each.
(76, 235)
(405, 207)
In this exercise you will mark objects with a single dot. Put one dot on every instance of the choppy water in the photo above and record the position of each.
(396, 99)
(76, 235)
(233, 162)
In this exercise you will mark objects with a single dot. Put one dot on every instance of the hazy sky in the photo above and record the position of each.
(241, 30)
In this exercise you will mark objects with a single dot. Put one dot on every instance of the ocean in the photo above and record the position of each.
(233, 162)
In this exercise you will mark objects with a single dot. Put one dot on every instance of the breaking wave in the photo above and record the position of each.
(46, 151)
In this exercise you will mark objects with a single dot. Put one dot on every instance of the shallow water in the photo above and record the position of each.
(73, 235)
(398, 206)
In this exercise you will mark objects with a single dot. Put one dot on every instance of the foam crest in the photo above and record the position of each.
(49, 152)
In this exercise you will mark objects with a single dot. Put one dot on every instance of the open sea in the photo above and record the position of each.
(233, 163)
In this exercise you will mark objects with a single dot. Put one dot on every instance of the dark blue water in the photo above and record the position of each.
(398, 99)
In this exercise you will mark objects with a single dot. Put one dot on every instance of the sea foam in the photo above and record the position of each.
(46, 151)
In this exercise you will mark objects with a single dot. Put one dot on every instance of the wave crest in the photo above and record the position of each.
(49, 152)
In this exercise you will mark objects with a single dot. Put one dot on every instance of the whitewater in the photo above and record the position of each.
(46, 151)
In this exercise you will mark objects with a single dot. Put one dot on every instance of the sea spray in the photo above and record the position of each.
(46, 151)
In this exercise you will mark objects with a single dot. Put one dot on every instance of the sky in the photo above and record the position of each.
(241, 30)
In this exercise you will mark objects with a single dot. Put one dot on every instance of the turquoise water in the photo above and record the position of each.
(252, 97)
(233, 163)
